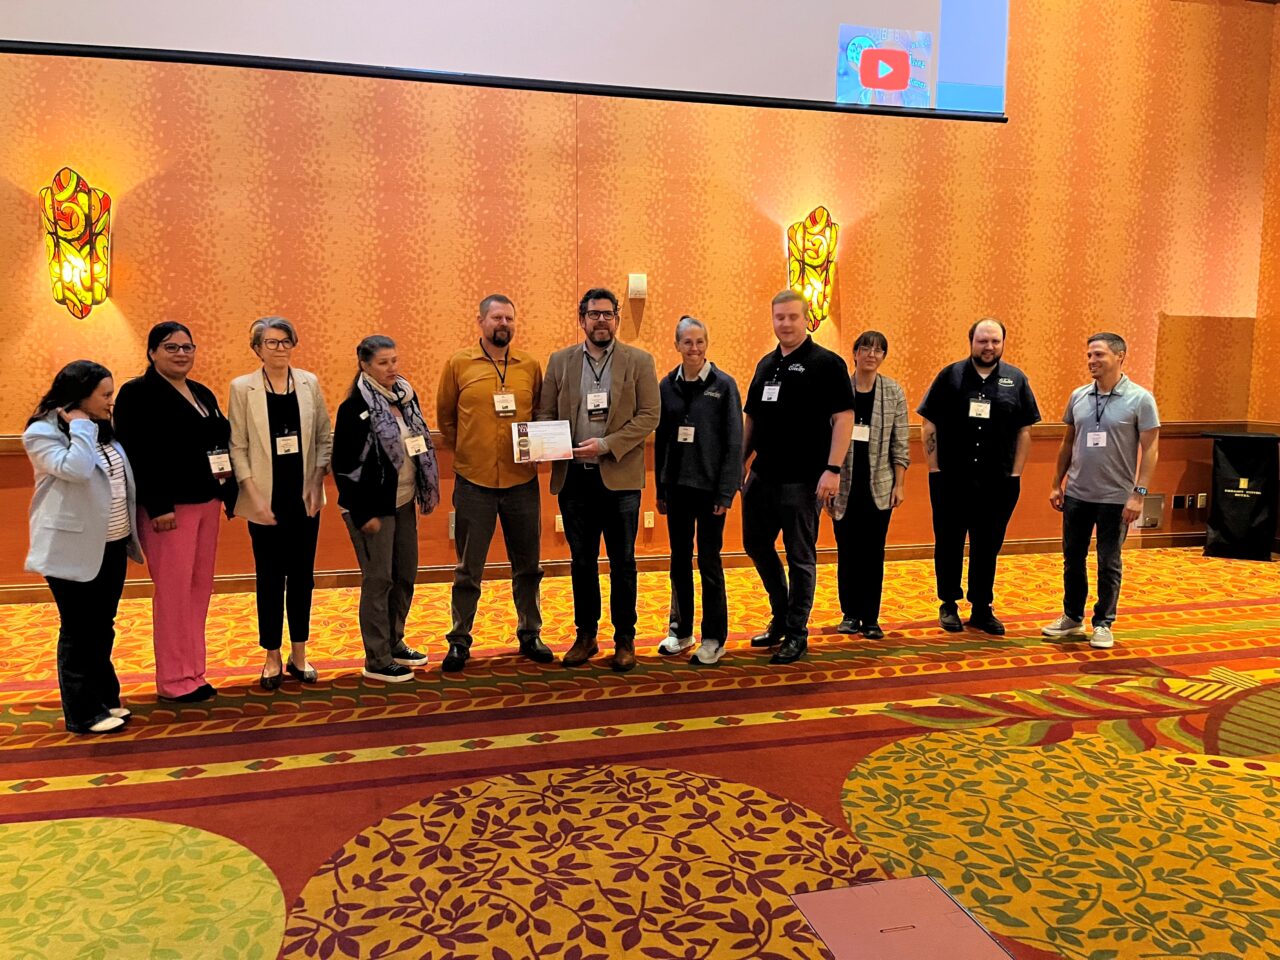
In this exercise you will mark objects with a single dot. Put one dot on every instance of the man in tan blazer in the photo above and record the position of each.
(608, 392)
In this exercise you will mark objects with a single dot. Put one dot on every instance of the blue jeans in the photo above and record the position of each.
(1079, 517)
(590, 510)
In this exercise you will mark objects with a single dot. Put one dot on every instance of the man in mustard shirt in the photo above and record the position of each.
(483, 390)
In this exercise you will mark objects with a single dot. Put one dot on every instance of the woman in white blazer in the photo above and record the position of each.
(281, 442)
(82, 534)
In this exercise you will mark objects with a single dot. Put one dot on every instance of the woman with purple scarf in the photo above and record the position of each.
(385, 468)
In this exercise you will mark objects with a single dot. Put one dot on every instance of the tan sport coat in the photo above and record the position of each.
(635, 407)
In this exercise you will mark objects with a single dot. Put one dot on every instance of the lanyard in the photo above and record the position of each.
(502, 374)
(1099, 408)
(603, 367)
(288, 385)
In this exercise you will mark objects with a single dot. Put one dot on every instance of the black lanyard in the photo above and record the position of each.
(502, 374)
(1099, 408)
(603, 367)
(288, 384)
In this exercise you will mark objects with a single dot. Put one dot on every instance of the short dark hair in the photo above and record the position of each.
(160, 333)
(596, 293)
(1112, 340)
(73, 383)
(974, 329)
(493, 298)
(872, 338)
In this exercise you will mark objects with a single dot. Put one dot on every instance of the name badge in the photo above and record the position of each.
(597, 405)
(684, 434)
(415, 445)
(287, 443)
(771, 391)
(220, 463)
(1096, 438)
(862, 433)
(980, 408)
(505, 404)
(118, 491)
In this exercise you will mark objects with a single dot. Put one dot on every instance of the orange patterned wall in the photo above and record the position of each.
(1127, 183)
(1264, 393)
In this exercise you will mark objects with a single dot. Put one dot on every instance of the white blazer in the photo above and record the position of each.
(71, 505)
(251, 432)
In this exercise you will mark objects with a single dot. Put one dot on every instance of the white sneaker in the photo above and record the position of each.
(124, 713)
(1102, 638)
(708, 653)
(1064, 626)
(673, 645)
(106, 725)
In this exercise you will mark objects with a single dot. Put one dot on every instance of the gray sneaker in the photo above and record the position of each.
(1102, 638)
(1064, 626)
(708, 653)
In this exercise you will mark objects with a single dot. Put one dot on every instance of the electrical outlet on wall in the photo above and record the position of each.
(559, 523)
(453, 520)
(648, 519)
(1202, 500)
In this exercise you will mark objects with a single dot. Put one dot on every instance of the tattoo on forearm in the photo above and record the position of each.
(931, 443)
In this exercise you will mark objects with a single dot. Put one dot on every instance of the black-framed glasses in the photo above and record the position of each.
(176, 348)
(278, 344)
(601, 314)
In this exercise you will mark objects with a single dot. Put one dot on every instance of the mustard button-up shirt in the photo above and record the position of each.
(469, 424)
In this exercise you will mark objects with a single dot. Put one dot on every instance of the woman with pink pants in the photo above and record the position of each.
(178, 443)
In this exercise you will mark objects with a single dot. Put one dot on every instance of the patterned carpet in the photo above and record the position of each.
(1081, 803)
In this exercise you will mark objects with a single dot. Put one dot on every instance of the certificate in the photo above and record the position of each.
(542, 440)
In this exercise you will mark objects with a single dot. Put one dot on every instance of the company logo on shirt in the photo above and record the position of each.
(796, 368)
(713, 393)
(1006, 382)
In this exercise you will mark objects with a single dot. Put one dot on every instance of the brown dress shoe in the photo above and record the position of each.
(624, 655)
(583, 649)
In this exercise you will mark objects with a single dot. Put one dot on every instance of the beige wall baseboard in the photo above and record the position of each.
(443, 573)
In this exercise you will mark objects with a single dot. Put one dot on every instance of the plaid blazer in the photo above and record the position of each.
(888, 447)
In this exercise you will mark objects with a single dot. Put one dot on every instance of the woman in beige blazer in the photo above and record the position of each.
(280, 447)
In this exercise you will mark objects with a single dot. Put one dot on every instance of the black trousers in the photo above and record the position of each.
(86, 677)
(978, 507)
(860, 538)
(691, 513)
(1079, 517)
(791, 509)
(284, 558)
(477, 511)
(591, 510)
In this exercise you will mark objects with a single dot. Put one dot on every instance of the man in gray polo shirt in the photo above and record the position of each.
(1108, 422)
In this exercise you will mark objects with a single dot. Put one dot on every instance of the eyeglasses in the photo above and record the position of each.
(173, 348)
(278, 344)
(601, 314)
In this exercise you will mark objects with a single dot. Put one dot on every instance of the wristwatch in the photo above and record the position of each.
(1141, 491)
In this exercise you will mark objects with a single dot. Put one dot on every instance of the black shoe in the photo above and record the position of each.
(270, 682)
(410, 658)
(770, 638)
(456, 658)
(848, 625)
(949, 618)
(987, 622)
(198, 695)
(872, 631)
(305, 674)
(534, 649)
(396, 673)
(792, 649)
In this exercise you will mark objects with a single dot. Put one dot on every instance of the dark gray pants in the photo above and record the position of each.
(1079, 517)
(791, 509)
(476, 510)
(389, 565)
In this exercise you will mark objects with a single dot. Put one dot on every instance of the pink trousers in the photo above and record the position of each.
(181, 565)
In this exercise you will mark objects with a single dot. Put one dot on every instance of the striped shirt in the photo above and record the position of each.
(118, 526)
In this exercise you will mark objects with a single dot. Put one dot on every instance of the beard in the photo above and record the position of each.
(602, 335)
(500, 337)
(981, 361)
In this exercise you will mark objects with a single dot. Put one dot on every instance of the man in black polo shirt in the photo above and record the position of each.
(977, 433)
(799, 417)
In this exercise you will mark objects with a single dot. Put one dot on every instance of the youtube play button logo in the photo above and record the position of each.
(880, 69)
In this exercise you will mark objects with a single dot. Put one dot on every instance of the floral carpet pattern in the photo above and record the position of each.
(1079, 847)
(110, 888)
(1086, 804)
(585, 864)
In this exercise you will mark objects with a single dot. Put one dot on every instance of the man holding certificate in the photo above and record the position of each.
(484, 389)
(608, 394)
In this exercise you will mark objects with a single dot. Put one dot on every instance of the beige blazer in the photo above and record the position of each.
(251, 432)
(635, 406)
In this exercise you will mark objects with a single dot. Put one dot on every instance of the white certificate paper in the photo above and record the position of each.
(542, 440)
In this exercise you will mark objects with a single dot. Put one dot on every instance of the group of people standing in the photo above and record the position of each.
(148, 471)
